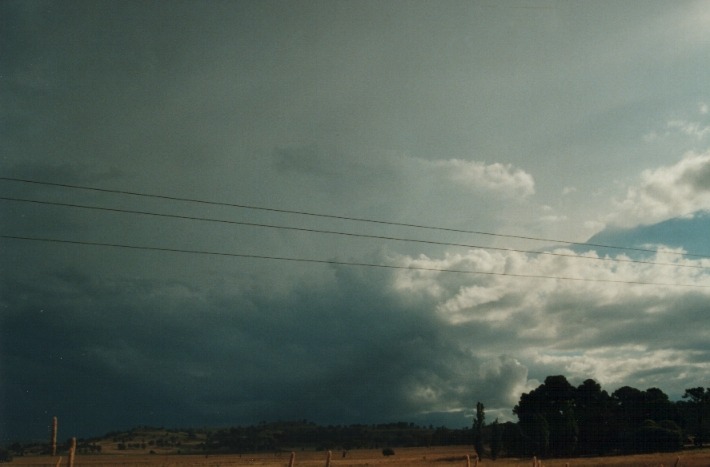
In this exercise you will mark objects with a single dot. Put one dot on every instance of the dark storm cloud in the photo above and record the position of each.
(139, 352)
(361, 345)
(455, 116)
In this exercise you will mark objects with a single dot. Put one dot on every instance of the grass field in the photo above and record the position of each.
(404, 457)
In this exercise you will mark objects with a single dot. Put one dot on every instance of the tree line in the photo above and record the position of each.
(559, 420)
(308, 435)
(556, 419)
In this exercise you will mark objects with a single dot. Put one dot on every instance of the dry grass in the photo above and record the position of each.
(404, 457)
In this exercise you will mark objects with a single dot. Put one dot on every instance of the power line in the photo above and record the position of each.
(348, 218)
(341, 263)
(335, 232)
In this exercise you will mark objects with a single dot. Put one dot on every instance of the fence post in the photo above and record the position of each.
(72, 452)
(54, 436)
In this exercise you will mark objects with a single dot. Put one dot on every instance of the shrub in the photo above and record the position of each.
(657, 439)
(5, 455)
(388, 452)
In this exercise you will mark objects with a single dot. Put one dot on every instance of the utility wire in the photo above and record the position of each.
(335, 232)
(333, 216)
(342, 263)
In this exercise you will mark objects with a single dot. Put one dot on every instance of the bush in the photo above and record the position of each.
(5, 455)
(513, 440)
(670, 425)
(657, 439)
(388, 452)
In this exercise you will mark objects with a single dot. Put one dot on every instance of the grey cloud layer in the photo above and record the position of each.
(170, 353)
(368, 346)
(459, 115)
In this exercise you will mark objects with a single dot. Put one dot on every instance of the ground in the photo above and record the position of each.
(409, 457)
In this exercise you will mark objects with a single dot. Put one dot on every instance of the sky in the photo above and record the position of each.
(522, 134)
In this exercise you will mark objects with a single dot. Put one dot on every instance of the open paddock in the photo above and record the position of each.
(404, 457)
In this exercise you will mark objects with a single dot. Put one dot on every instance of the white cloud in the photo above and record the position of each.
(694, 129)
(594, 226)
(471, 297)
(666, 192)
(497, 177)
(603, 365)
(553, 218)
(611, 330)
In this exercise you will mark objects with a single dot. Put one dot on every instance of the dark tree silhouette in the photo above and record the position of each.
(496, 438)
(595, 418)
(699, 402)
(479, 422)
(553, 402)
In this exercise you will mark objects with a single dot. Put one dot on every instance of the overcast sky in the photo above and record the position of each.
(561, 120)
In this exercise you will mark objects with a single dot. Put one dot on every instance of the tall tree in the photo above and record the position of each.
(594, 417)
(496, 439)
(629, 414)
(699, 400)
(553, 402)
(633, 408)
(479, 422)
(658, 405)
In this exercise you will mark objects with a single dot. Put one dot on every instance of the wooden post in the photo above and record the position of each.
(292, 460)
(327, 459)
(72, 452)
(54, 436)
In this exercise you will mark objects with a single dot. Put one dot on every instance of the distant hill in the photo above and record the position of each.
(264, 437)
(692, 234)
